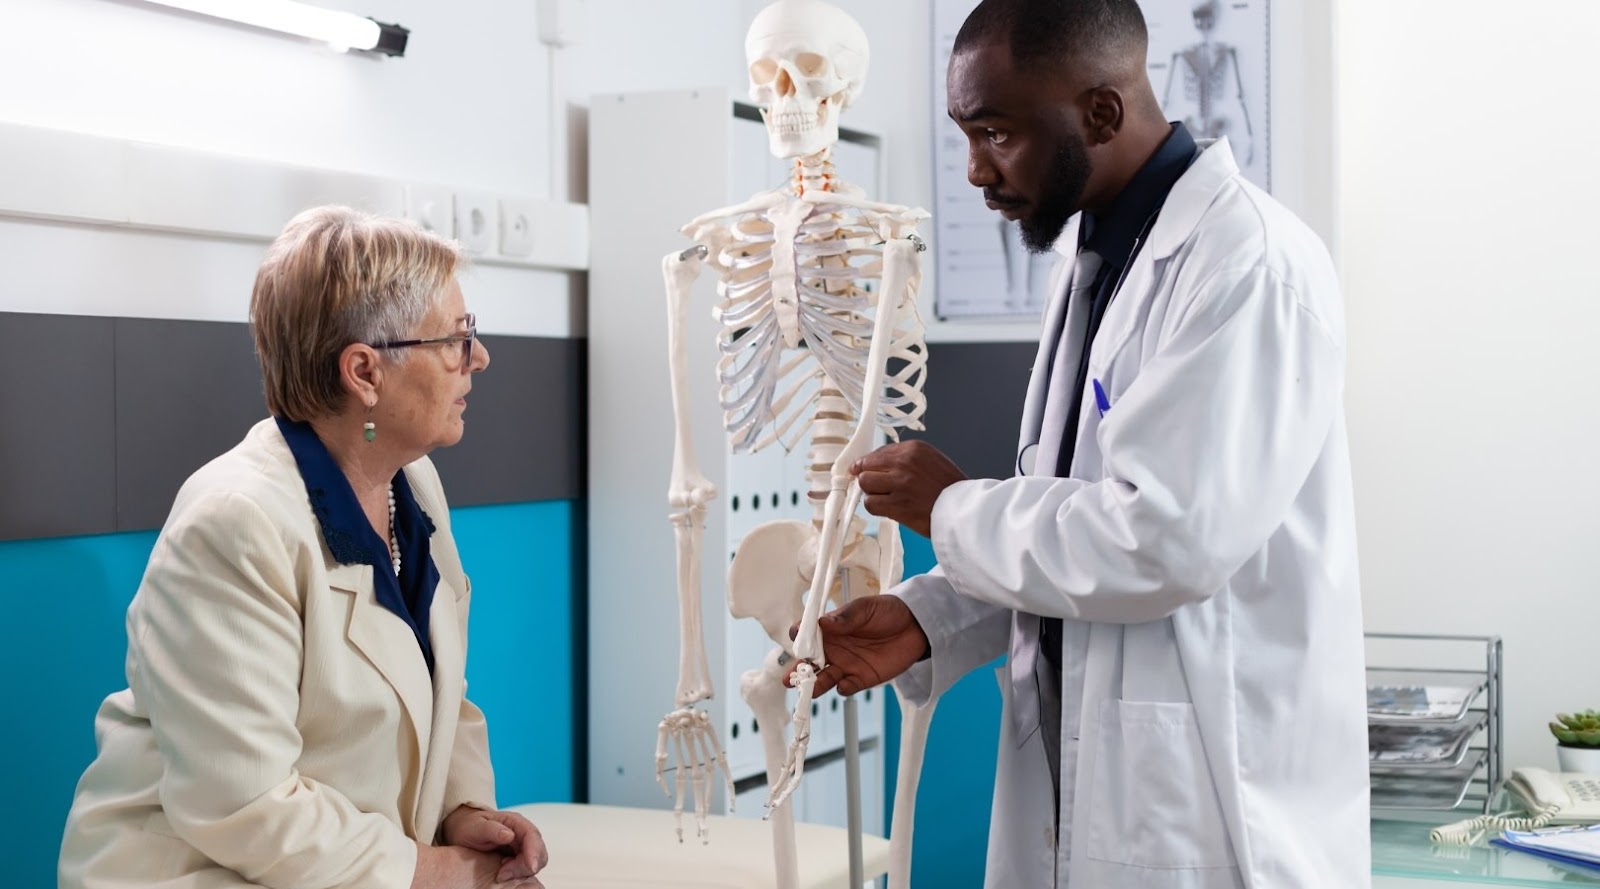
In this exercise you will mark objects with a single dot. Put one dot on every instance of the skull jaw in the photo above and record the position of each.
(794, 131)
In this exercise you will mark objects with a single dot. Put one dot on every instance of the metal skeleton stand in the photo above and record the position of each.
(852, 770)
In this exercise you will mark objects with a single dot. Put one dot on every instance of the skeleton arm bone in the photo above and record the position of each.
(1244, 109)
(686, 734)
(1166, 91)
(689, 487)
(899, 267)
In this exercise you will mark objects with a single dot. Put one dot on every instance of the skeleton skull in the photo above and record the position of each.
(808, 62)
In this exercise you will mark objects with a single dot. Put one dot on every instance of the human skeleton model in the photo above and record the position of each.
(1205, 67)
(817, 299)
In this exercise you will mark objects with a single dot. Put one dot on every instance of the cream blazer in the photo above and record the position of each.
(279, 728)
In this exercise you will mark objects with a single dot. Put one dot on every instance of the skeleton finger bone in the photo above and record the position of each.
(794, 764)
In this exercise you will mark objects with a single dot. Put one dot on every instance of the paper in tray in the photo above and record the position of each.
(1421, 702)
(1432, 744)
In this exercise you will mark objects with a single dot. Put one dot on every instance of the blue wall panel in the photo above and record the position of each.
(64, 600)
(957, 784)
(520, 654)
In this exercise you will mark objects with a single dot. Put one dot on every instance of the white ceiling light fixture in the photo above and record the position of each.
(341, 30)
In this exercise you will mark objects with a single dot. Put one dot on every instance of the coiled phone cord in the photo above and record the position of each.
(1465, 833)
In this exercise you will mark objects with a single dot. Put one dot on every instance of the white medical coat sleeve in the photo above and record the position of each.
(218, 670)
(1204, 451)
(963, 634)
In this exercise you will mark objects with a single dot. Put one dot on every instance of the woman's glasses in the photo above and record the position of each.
(465, 339)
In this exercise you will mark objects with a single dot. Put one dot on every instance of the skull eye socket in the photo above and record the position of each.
(763, 71)
(809, 64)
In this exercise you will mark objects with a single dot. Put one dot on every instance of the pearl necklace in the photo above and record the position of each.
(394, 543)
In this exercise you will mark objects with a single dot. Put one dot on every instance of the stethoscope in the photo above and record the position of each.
(1027, 455)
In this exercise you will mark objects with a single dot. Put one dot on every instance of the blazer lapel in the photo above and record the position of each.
(389, 645)
(449, 664)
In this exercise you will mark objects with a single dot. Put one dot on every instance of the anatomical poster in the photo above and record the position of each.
(1209, 64)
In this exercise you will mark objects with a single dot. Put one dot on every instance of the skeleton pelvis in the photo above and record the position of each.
(772, 570)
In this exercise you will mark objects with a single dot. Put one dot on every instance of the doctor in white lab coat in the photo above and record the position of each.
(1199, 551)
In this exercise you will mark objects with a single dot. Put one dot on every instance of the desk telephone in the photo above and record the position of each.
(1569, 798)
(1545, 798)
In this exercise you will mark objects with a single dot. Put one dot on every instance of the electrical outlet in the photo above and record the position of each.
(516, 226)
(431, 208)
(477, 221)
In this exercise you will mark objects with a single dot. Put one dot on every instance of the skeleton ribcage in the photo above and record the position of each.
(826, 312)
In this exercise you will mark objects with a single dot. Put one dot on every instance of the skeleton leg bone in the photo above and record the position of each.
(914, 722)
(764, 691)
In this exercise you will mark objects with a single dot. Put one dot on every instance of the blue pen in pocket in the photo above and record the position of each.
(1100, 399)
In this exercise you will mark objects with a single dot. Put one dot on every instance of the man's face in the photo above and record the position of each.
(1025, 148)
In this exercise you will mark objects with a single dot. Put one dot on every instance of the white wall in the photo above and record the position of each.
(1468, 189)
(467, 107)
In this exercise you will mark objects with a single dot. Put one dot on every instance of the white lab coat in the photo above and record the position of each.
(1206, 542)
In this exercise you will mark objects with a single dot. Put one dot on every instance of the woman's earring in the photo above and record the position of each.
(369, 431)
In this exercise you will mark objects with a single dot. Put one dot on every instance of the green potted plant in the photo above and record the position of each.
(1578, 741)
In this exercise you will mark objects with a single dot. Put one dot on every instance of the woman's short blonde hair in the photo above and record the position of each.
(337, 276)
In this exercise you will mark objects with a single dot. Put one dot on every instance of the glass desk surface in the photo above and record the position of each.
(1402, 849)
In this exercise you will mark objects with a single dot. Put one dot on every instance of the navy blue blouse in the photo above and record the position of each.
(352, 539)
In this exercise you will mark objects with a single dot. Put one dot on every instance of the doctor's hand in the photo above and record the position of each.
(512, 836)
(902, 481)
(867, 642)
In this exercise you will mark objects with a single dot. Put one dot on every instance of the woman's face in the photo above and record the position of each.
(425, 396)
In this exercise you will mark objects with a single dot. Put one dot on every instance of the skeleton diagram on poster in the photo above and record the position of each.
(984, 272)
(1208, 63)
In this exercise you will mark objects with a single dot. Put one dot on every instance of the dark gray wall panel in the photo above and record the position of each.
(975, 393)
(104, 418)
(57, 412)
(186, 392)
(525, 425)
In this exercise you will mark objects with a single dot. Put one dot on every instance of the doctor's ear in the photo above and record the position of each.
(1104, 114)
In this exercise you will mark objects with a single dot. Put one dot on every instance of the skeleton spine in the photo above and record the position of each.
(831, 428)
(814, 173)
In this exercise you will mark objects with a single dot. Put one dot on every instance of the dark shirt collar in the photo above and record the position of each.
(349, 535)
(352, 540)
(1112, 234)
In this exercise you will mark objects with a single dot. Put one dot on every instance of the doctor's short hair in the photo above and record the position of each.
(337, 276)
(1041, 33)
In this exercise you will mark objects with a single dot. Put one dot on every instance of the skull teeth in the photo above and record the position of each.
(795, 122)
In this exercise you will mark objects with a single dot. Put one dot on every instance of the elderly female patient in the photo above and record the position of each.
(295, 713)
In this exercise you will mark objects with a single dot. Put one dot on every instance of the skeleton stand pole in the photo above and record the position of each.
(852, 769)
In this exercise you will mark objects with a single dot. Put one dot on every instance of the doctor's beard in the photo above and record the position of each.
(1069, 176)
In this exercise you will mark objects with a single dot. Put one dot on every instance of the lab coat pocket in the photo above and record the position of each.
(1152, 802)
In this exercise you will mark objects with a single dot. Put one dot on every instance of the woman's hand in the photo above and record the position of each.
(506, 833)
(457, 867)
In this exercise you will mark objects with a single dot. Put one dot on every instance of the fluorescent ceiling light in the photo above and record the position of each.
(341, 30)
